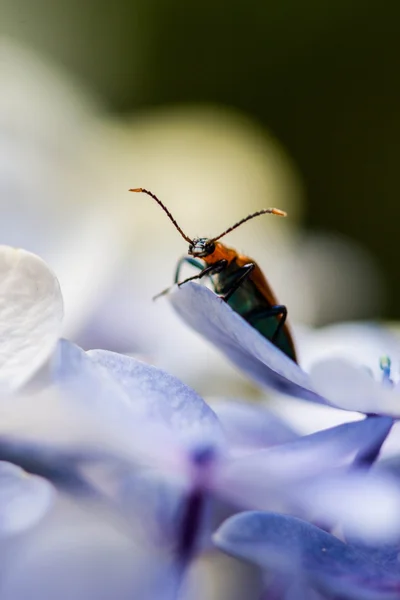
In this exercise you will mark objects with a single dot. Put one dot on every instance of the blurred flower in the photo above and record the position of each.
(140, 401)
(82, 550)
(146, 456)
(93, 434)
(51, 178)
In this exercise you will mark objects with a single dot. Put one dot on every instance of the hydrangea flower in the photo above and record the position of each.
(137, 456)
(161, 504)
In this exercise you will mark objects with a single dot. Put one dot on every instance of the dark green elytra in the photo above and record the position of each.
(254, 301)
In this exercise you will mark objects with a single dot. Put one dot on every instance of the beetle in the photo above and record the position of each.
(237, 279)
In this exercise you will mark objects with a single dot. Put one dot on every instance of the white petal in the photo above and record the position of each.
(350, 387)
(365, 504)
(31, 310)
(362, 343)
(308, 418)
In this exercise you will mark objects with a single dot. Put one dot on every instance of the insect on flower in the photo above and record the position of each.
(238, 280)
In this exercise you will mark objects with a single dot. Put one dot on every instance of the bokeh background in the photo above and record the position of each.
(220, 109)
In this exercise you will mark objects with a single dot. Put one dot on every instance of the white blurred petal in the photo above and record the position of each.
(353, 388)
(362, 343)
(309, 417)
(31, 310)
(366, 505)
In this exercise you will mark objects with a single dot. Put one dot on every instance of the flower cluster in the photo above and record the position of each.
(118, 480)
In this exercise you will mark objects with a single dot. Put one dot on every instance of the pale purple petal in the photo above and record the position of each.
(24, 499)
(350, 387)
(55, 421)
(98, 401)
(154, 501)
(31, 311)
(89, 385)
(83, 551)
(250, 426)
(292, 546)
(341, 444)
(161, 397)
(154, 416)
(210, 316)
(282, 473)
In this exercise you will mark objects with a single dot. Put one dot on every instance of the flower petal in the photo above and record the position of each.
(151, 410)
(361, 343)
(24, 499)
(385, 555)
(351, 387)
(161, 397)
(207, 314)
(290, 545)
(31, 310)
(98, 400)
(283, 472)
(364, 504)
(83, 551)
(155, 502)
(87, 383)
(340, 444)
(249, 426)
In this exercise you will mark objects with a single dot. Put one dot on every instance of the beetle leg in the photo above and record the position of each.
(161, 293)
(242, 274)
(191, 261)
(188, 259)
(209, 270)
(275, 311)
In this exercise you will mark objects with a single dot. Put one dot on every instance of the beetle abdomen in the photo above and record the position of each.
(253, 307)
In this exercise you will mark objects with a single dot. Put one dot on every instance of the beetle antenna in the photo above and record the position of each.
(142, 190)
(265, 211)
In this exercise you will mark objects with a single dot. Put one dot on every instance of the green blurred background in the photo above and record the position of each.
(322, 76)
